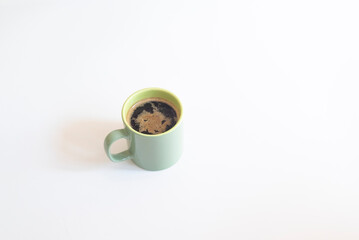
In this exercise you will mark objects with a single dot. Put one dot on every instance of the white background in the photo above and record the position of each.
(270, 91)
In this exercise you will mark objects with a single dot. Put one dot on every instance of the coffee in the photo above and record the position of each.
(152, 116)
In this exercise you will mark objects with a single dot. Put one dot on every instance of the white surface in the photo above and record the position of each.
(270, 90)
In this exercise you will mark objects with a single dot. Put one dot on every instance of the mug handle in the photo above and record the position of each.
(113, 137)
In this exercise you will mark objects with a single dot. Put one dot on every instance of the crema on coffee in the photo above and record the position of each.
(153, 116)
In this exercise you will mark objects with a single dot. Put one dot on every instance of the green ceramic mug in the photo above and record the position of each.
(150, 152)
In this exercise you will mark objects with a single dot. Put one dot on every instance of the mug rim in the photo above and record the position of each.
(124, 115)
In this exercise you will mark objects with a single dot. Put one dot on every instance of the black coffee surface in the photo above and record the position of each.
(153, 117)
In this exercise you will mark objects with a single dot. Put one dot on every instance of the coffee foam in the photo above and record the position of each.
(152, 116)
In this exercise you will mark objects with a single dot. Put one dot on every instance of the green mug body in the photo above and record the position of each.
(150, 152)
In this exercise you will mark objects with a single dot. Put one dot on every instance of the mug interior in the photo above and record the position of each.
(149, 93)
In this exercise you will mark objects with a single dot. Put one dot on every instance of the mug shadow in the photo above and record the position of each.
(80, 144)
